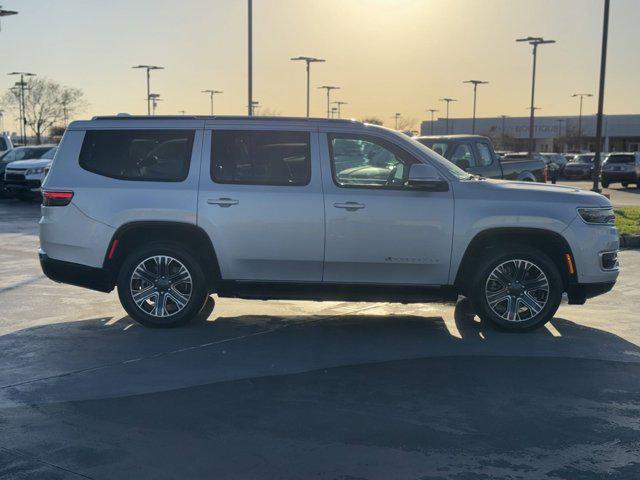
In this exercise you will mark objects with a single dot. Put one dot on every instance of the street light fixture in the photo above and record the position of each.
(23, 114)
(533, 41)
(308, 61)
(211, 94)
(433, 111)
(339, 104)
(6, 13)
(448, 100)
(148, 68)
(328, 88)
(581, 95)
(475, 91)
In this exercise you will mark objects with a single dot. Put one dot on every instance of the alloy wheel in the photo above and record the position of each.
(161, 286)
(517, 290)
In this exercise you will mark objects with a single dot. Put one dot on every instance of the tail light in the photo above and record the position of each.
(56, 199)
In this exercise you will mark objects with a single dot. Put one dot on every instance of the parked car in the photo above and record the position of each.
(172, 209)
(17, 153)
(475, 154)
(621, 167)
(580, 166)
(557, 159)
(23, 177)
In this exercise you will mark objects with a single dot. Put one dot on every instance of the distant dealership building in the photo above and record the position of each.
(558, 133)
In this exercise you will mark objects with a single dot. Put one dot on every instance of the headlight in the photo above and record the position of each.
(597, 215)
(33, 171)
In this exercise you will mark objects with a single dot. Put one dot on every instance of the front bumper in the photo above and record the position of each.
(580, 292)
(611, 177)
(92, 278)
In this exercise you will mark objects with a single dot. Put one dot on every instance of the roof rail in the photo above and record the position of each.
(125, 116)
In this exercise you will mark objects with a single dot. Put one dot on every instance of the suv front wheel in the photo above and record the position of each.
(161, 285)
(517, 288)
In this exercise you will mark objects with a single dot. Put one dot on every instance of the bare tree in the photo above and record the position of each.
(407, 124)
(46, 103)
(269, 112)
(373, 120)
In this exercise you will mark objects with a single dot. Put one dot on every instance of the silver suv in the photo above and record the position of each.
(172, 209)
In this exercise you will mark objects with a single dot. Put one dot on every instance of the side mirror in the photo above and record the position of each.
(426, 177)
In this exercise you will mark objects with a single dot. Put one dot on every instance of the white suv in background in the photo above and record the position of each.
(173, 209)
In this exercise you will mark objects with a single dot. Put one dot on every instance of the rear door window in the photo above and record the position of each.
(259, 157)
(486, 158)
(621, 159)
(463, 156)
(143, 155)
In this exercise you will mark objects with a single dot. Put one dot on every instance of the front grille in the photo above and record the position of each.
(17, 177)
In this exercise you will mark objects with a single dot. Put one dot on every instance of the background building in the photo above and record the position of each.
(551, 134)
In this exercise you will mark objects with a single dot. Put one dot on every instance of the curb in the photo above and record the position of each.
(630, 241)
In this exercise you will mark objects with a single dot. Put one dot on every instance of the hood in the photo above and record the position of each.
(540, 192)
(26, 164)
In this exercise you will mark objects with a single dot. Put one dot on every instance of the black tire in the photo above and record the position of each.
(481, 283)
(176, 315)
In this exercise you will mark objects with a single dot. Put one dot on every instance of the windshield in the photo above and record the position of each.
(49, 154)
(443, 162)
(583, 159)
(621, 159)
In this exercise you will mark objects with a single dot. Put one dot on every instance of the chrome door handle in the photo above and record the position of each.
(349, 206)
(223, 202)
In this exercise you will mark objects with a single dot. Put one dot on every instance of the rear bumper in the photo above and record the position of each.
(75, 274)
(570, 173)
(619, 177)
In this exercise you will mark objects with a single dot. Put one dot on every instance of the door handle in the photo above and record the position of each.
(223, 202)
(349, 206)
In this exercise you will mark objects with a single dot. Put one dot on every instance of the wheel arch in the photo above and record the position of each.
(548, 241)
(133, 234)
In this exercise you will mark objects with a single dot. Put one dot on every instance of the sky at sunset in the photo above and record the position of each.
(386, 55)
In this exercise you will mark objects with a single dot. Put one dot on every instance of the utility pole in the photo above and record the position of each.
(339, 104)
(581, 95)
(534, 41)
(155, 98)
(255, 105)
(211, 94)
(23, 113)
(148, 68)
(433, 111)
(328, 88)
(397, 117)
(448, 100)
(475, 91)
(250, 56)
(308, 61)
(603, 67)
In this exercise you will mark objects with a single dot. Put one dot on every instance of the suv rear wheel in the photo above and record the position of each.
(161, 285)
(517, 288)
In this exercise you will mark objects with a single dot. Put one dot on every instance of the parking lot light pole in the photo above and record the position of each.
(211, 94)
(328, 88)
(250, 57)
(475, 91)
(581, 95)
(448, 100)
(339, 104)
(432, 111)
(308, 61)
(23, 113)
(148, 68)
(534, 42)
(397, 117)
(603, 66)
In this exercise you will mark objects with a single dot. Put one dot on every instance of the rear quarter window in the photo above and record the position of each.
(143, 155)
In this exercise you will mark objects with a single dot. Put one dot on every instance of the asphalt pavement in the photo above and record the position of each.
(299, 390)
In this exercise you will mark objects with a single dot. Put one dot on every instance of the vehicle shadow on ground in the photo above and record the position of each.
(323, 396)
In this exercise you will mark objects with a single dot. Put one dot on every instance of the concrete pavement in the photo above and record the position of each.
(309, 390)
